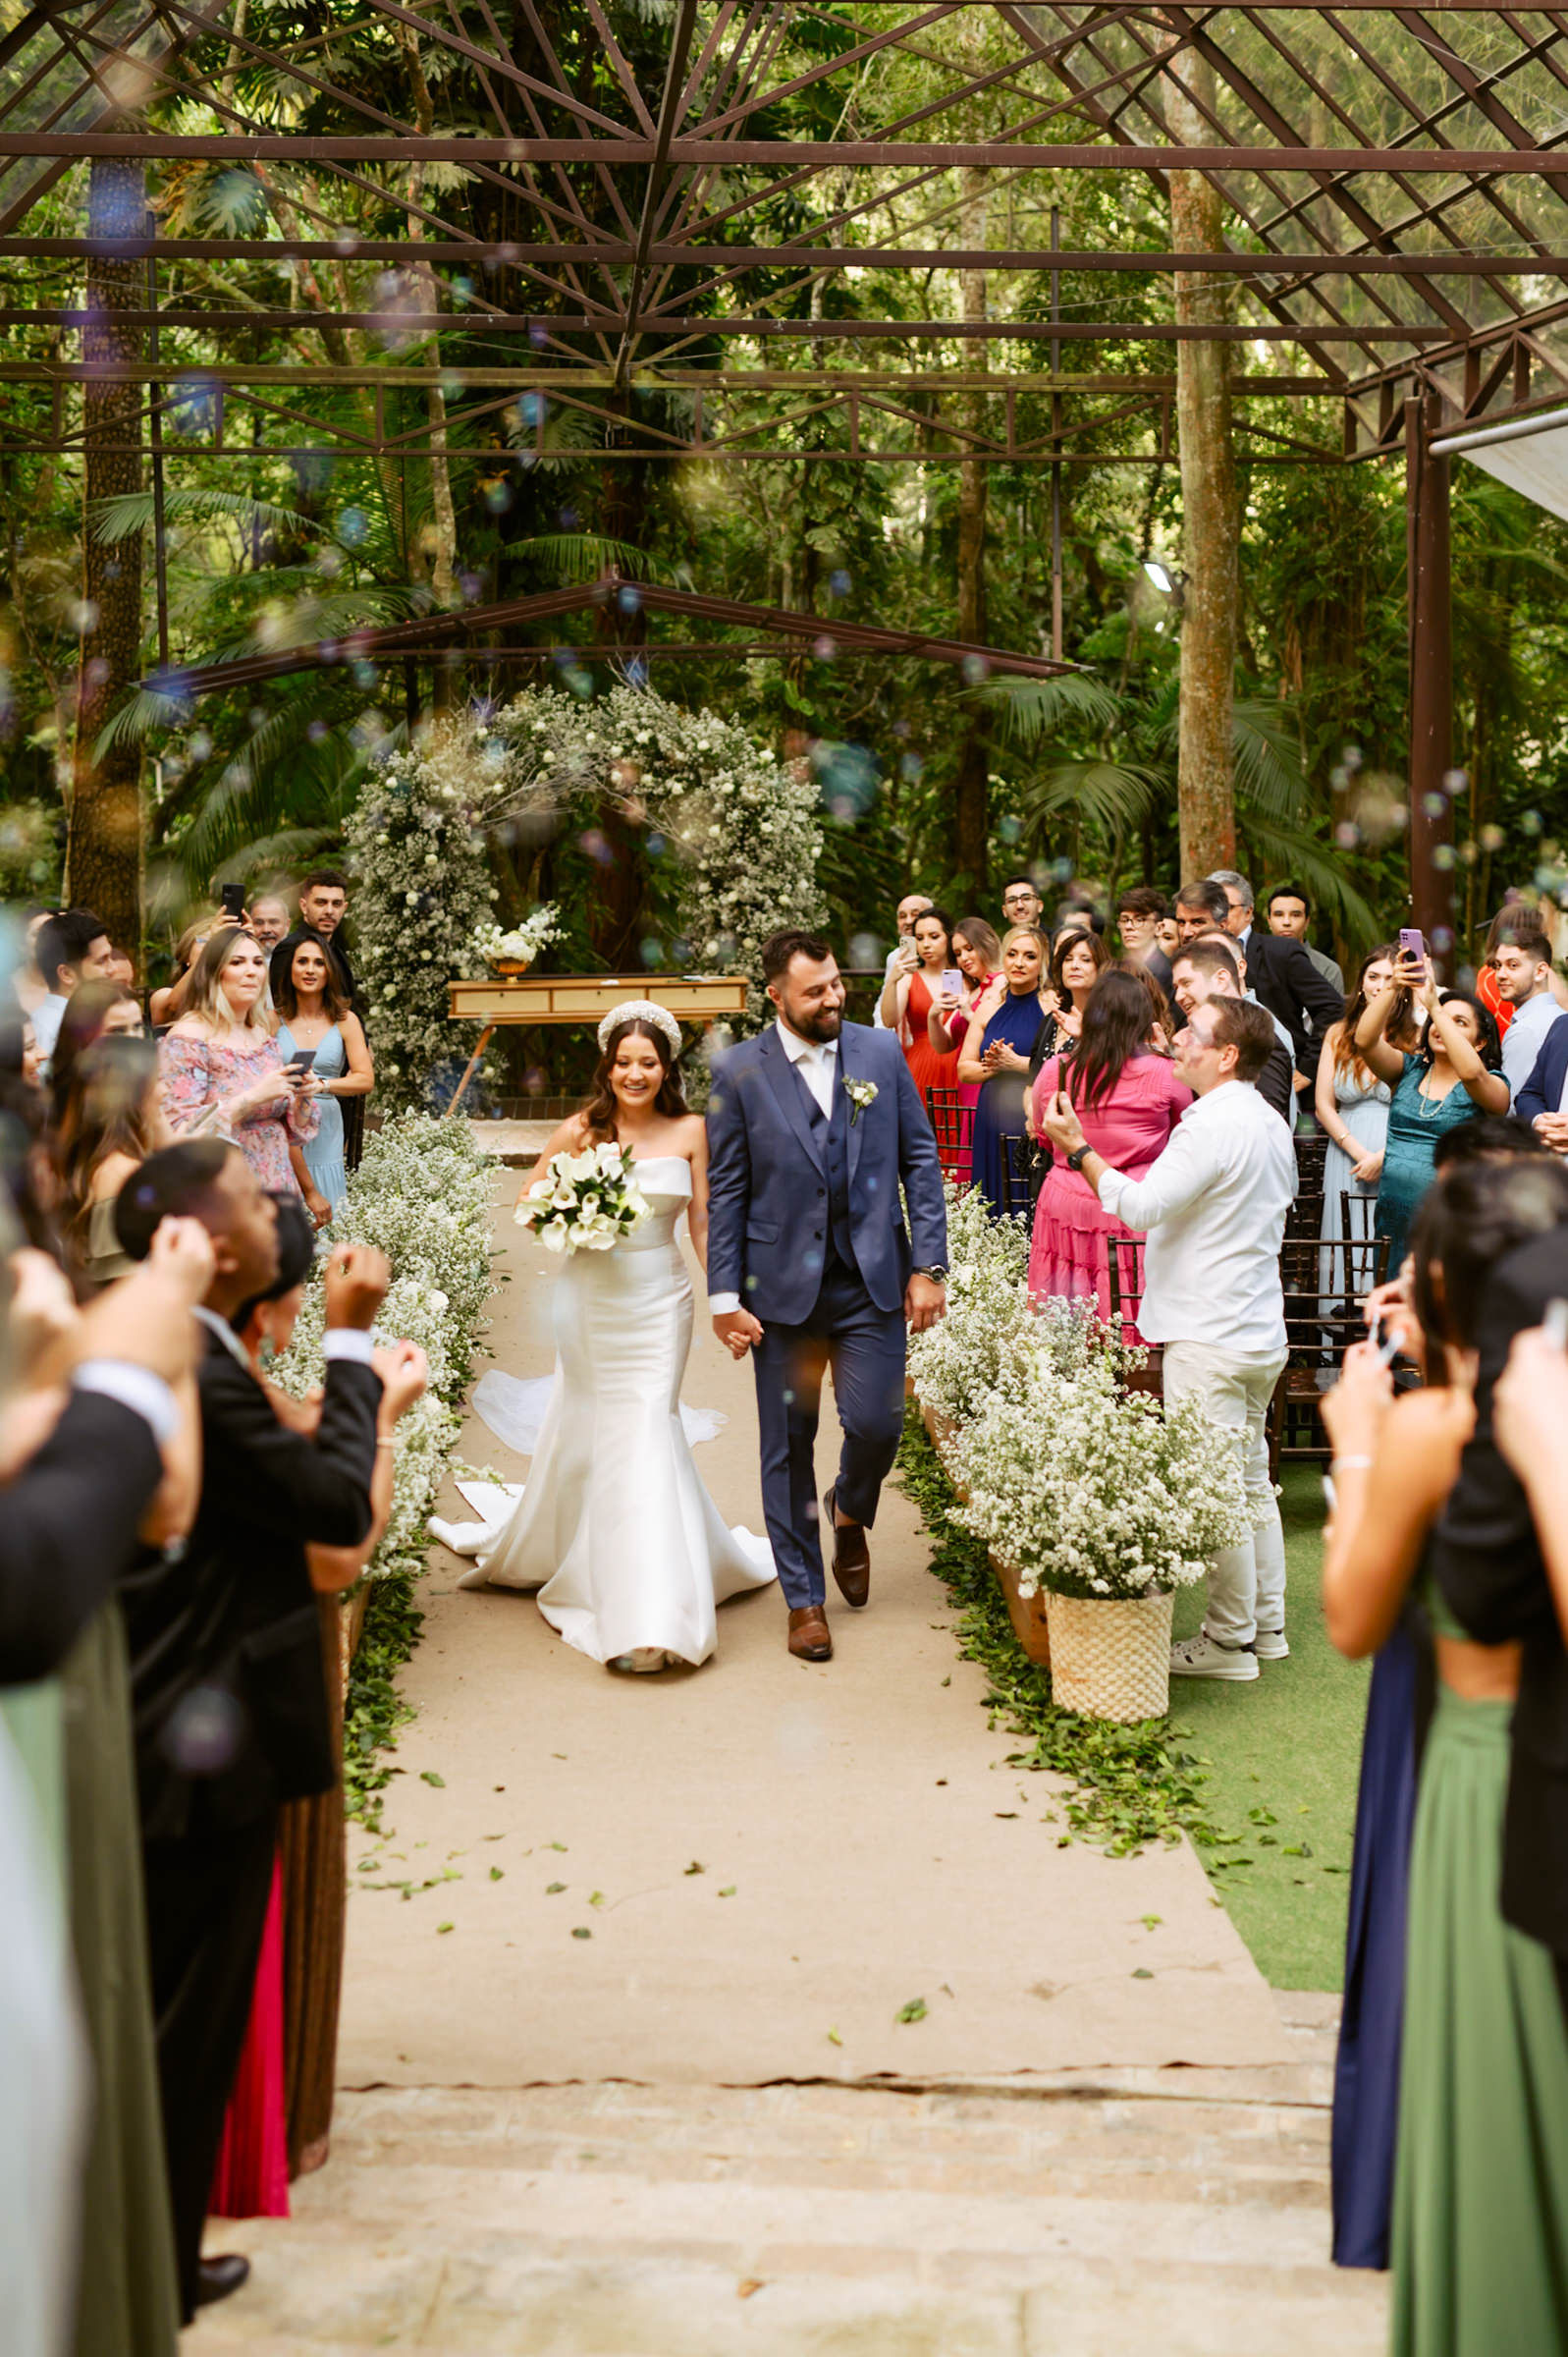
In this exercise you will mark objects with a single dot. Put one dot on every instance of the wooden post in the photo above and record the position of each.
(1431, 682)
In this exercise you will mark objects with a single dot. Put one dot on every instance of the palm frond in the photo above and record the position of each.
(131, 512)
(573, 557)
(1111, 795)
(1029, 711)
(1267, 751)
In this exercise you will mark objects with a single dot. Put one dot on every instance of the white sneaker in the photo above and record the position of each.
(1202, 1657)
(1271, 1645)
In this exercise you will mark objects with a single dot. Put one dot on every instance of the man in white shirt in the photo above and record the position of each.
(910, 907)
(1521, 962)
(72, 948)
(1214, 1206)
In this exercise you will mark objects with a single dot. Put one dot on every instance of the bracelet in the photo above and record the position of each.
(389, 1443)
(1349, 1464)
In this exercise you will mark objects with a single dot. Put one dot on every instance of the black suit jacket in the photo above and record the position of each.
(1283, 977)
(68, 1531)
(230, 1708)
(1486, 1561)
(1276, 1084)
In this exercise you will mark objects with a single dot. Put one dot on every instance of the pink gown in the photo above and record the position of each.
(1130, 1129)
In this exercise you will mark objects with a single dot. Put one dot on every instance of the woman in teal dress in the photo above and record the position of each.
(1455, 1074)
(312, 999)
(1479, 2239)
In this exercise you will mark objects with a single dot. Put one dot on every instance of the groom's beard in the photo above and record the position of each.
(825, 1024)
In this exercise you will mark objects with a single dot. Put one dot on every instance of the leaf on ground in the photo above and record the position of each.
(728, 1891)
(914, 2010)
(1151, 1922)
(492, 1836)
(1004, 1813)
(834, 2038)
(596, 1898)
(552, 1888)
(561, 1845)
(696, 1867)
(558, 1755)
(444, 1927)
(948, 1680)
(745, 2292)
(580, 1931)
(1141, 1972)
(497, 1874)
(428, 1776)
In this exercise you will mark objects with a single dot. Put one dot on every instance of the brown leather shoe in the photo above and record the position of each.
(809, 1637)
(851, 1557)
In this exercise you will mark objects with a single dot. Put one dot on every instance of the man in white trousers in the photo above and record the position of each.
(1213, 1208)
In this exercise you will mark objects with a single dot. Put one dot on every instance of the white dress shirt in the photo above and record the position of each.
(888, 965)
(817, 1063)
(1522, 1040)
(1214, 1206)
(47, 1020)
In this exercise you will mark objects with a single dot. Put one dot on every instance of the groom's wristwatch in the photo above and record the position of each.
(937, 1272)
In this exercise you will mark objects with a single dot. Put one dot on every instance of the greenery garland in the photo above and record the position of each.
(1131, 1785)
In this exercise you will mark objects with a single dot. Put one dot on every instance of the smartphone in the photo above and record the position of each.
(1387, 1343)
(1555, 1323)
(1411, 942)
(302, 1060)
(952, 982)
(232, 898)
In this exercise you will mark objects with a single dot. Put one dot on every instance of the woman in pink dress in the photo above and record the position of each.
(221, 1070)
(1126, 1094)
(977, 956)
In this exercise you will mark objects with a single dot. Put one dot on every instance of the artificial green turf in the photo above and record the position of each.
(1287, 1748)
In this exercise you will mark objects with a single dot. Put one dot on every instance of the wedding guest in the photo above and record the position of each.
(1521, 961)
(1479, 2227)
(314, 1014)
(1206, 971)
(1167, 933)
(111, 1121)
(28, 985)
(1213, 1207)
(977, 954)
(1519, 914)
(168, 1003)
(268, 919)
(94, 1011)
(1289, 915)
(1021, 904)
(1283, 977)
(223, 1071)
(904, 915)
(1140, 911)
(323, 908)
(1199, 906)
(1237, 919)
(909, 998)
(1078, 957)
(994, 1058)
(230, 1708)
(1128, 1100)
(1352, 1104)
(1454, 1074)
(72, 948)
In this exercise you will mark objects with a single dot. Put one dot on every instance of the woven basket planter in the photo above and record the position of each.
(1110, 1656)
(1031, 1624)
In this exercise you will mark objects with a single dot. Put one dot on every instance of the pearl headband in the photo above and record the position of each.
(640, 1010)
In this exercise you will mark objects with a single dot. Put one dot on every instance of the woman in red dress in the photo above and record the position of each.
(909, 994)
(1126, 1094)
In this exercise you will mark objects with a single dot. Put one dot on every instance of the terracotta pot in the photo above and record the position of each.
(1031, 1624)
(1110, 1656)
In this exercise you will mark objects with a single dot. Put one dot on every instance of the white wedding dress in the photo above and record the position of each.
(615, 1527)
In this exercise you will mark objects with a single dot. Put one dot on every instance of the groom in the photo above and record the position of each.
(810, 1129)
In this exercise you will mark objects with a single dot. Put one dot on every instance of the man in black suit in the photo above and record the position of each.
(1283, 977)
(1488, 1563)
(1208, 970)
(229, 1704)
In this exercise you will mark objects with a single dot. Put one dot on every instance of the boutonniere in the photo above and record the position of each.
(861, 1094)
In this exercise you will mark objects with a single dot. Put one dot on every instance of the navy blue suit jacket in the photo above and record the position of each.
(767, 1209)
(1543, 1091)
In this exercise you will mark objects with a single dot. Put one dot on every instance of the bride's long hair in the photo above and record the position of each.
(600, 1110)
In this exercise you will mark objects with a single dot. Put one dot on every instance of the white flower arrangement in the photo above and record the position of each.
(422, 1195)
(524, 942)
(585, 1202)
(1087, 1488)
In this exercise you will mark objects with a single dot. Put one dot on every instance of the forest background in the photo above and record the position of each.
(929, 777)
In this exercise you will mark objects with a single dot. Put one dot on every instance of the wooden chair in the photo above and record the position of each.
(954, 1121)
(1124, 1261)
(1324, 1282)
(1015, 1172)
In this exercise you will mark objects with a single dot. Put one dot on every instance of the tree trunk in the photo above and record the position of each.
(103, 845)
(1210, 506)
(971, 826)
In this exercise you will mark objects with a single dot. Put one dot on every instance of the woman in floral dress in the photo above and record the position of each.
(220, 1068)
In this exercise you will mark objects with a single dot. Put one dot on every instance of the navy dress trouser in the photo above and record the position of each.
(864, 1346)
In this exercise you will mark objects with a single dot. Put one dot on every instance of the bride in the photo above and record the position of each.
(615, 1527)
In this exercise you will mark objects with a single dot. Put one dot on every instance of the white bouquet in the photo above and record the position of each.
(585, 1202)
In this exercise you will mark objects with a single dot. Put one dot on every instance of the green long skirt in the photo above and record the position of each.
(1480, 2247)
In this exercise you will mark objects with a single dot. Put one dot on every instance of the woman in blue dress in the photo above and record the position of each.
(1455, 1075)
(1006, 1026)
(311, 999)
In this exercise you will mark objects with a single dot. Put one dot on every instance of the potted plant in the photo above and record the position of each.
(1107, 1502)
(962, 1360)
(514, 951)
